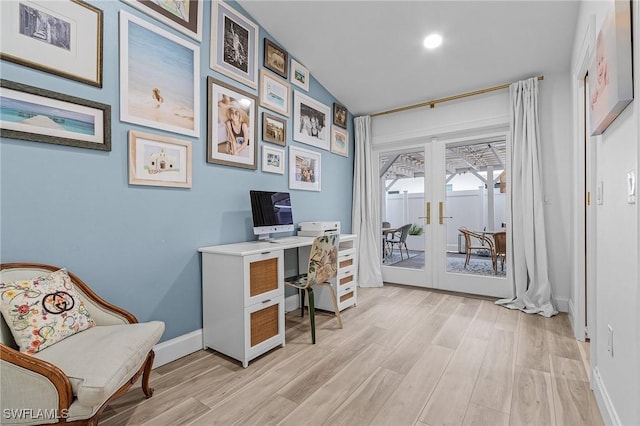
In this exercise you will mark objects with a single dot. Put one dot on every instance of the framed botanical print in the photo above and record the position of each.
(311, 121)
(184, 16)
(59, 37)
(159, 160)
(299, 75)
(275, 94)
(159, 78)
(276, 59)
(304, 169)
(232, 125)
(33, 114)
(234, 44)
(274, 129)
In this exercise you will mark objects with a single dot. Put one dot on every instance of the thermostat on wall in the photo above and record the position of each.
(631, 187)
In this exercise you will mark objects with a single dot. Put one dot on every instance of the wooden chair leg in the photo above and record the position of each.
(466, 261)
(312, 314)
(148, 391)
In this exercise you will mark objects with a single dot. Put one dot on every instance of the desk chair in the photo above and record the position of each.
(323, 266)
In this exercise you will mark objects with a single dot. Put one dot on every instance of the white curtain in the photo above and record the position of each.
(527, 258)
(366, 208)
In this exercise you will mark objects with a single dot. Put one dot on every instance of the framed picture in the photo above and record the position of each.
(276, 59)
(184, 16)
(304, 169)
(234, 45)
(339, 115)
(310, 121)
(159, 78)
(611, 72)
(159, 161)
(299, 75)
(232, 125)
(272, 159)
(274, 93)
(274, 129)
(59, 37)
(33, 114)
(339, 141)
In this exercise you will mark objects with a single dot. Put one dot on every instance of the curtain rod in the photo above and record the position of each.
(433, 103)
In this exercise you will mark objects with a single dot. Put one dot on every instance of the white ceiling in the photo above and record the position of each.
(369, 54)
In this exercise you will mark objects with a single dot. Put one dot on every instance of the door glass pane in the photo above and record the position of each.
(476, 199)
(403, 209)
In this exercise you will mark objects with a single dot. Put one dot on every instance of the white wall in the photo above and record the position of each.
(617, 297)
(491, 112)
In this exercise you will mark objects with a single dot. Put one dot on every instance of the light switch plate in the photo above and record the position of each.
(631, 187)
(599, 192)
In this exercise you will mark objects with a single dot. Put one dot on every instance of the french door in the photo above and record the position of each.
(440, 186)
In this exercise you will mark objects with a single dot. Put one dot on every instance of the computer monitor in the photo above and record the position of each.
(271, 213)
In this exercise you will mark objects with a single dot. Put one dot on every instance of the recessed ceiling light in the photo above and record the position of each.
(432, 41)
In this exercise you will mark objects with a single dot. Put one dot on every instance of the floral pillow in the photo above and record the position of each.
(43, 311)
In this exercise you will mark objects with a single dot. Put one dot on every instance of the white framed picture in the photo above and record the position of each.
(299, 75)
(273, 159)
(339, 141)
(159, 78)
(311, 121)
(275, 94)
(156, 160)
(304, 169)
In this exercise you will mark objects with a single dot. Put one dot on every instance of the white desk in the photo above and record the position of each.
(243, 293)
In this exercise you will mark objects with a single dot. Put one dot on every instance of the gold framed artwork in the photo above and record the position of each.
(63, 38)
(156, 160)
(274, 129)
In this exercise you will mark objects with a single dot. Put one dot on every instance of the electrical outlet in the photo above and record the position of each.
(610, 340)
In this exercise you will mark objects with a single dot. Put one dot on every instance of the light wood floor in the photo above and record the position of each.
(406, 356)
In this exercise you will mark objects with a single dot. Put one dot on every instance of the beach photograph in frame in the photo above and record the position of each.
(611, 72)
(184, 16)
(33, 114)
(274, 129)
(156, 160)
(339, 115)
(339, 141)
(63, 38)
(234, 44)
(276, 59)
(304, 169)
(311, 121)
(272, 159)
(232, 125)
(275, 94)
(299, 75)
(159, 78)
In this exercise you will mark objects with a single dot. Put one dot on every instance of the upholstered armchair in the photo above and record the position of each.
(74, 379)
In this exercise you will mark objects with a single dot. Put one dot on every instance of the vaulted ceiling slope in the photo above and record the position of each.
(369, 54)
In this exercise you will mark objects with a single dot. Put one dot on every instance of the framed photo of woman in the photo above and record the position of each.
(232, 125)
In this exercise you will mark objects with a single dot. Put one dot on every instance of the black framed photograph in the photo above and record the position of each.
(339, 115)
(274, 129)
(33, 114)
(234, 44)
(184, 16)
(232, 125)
(59, 37)
(276, 59)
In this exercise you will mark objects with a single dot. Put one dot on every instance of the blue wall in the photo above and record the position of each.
(136, 246)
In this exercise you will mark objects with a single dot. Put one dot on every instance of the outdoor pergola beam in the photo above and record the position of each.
(385, 167)
(463, 157)
(391, 184)
(497, 156)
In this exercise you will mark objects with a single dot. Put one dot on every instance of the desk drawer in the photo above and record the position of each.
(264, 273)
(264, 326)
(347, 297)
(345, 279)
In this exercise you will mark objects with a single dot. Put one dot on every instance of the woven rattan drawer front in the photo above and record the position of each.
(346, 296)
(345, 263)
(264, 324)
(263, 276)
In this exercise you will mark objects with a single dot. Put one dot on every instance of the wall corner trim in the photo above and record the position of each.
(605, 404)
(177, 347)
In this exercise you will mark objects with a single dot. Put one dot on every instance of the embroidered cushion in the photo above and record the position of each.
(43, 311)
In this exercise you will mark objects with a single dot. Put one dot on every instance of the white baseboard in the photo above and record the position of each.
(291, 303)
(607, 410)
(178, 347)
(562, 304)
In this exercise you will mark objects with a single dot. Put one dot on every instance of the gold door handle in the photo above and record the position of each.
(441, 213)
(428, 214)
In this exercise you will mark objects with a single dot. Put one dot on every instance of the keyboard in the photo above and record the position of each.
(285, 240)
